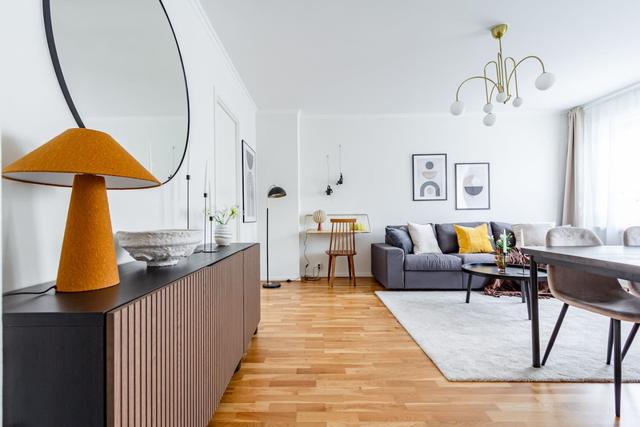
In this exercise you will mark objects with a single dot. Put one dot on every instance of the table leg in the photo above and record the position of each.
(535, 322)
(469, 287)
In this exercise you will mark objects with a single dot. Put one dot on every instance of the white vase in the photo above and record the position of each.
(223, 234)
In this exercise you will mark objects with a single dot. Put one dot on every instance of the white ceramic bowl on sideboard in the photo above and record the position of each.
(159, 248)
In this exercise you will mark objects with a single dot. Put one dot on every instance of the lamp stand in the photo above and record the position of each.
(269, 285)
(88, 258)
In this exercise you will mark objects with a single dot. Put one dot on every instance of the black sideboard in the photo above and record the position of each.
(157, 349)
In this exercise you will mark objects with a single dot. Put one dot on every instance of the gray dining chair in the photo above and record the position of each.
(597, 294)
(631, 237)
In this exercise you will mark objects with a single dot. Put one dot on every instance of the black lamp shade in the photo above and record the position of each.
(276, 192)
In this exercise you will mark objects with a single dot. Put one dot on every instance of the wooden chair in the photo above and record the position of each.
(342, 243)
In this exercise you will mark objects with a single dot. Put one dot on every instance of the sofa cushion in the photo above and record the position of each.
(498, 227)
(398, 236)
(432, 262)
(474, 239)
(532, 234)
(423, 238)
(447, 238)
(475, 258)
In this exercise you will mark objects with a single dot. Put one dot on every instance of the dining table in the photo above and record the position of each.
(621, 262)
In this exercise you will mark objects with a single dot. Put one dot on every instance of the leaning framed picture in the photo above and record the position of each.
(429, 177)
(473, 186)
(249, 179)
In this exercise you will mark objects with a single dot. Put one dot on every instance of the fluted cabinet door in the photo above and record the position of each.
(251, 293)
(172, 353)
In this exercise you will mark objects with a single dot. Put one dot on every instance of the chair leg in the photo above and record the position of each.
(610, 342)
(554, 334)
(523, 288)
(329, 267)
(349, 267)
(630, 338)
(353, 269)
(333, 271)
(527, 297)
(617, 364)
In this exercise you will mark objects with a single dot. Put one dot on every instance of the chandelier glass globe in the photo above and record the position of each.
(457, 108)
(489, 119)
(488, 107)
(517, 101)
(545, 81)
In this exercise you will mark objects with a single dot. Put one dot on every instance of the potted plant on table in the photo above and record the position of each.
(223, 235)
(504, 245)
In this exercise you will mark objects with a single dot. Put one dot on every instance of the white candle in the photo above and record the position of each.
(504, 241)
(521, 238)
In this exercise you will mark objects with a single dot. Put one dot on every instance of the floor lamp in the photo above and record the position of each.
(275, 192)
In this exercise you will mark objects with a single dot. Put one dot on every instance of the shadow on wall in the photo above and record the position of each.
(18, 207)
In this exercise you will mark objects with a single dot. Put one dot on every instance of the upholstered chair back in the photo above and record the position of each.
(571, 285)
(631, 237)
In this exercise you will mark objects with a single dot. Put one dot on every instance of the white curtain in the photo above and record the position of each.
(607, 166)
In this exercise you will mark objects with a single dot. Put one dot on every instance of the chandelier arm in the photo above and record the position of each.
(521, 61)
(515, 74)
(486, 89)
(471, 78)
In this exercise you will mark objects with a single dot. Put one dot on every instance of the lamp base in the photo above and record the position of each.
(271, 285)
(88, 258)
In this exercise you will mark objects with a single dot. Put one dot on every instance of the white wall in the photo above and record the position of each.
(279, 165)
(526, 152)
(33, 110)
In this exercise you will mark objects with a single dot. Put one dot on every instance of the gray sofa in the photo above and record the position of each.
(395, 266)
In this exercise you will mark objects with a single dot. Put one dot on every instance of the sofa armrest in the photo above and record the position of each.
(387, 265)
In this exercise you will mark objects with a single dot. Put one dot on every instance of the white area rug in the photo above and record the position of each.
(489, 339)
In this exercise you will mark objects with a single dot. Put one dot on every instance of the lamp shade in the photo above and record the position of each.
(276, 192)
(81, 151)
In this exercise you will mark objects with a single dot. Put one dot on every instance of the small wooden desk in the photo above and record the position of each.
(621, 262)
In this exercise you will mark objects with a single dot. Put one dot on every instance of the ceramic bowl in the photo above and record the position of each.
(160, 248)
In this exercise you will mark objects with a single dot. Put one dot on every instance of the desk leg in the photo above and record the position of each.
(535, 323)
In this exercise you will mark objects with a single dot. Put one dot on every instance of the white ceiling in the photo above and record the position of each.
(408, 56)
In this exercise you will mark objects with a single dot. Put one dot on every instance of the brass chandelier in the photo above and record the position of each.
(505, 75)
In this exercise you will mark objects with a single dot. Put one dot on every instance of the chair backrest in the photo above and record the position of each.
(631, 237)
(343, 237)
(571, 283)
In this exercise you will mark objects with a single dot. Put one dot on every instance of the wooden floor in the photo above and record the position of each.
(337, 357)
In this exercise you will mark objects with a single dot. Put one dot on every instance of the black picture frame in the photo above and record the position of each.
(247, 188)
(413, 178)
(488, 206)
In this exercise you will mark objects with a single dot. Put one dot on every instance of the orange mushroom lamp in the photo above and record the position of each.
(90, 162)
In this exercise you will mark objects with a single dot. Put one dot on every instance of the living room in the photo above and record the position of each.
(413, 213)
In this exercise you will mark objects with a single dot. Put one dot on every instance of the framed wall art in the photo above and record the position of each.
(249, 183)
(473, 186)
(429, 177)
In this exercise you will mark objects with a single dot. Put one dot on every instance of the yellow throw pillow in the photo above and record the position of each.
(473, 239)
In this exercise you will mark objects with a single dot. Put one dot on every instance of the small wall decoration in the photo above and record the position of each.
(249, 206)
(429, 177)
(472, 186)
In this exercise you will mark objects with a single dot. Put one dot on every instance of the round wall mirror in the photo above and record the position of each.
(120, 70)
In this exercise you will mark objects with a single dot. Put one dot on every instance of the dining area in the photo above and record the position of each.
(585, 274)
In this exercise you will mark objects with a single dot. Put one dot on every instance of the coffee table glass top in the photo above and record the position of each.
(491, 270)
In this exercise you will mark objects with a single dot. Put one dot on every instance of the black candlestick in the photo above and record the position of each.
(188, 181)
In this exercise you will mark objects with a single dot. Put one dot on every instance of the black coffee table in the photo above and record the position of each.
(512, 272)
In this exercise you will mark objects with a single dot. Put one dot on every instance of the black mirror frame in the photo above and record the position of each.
(55, 60)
